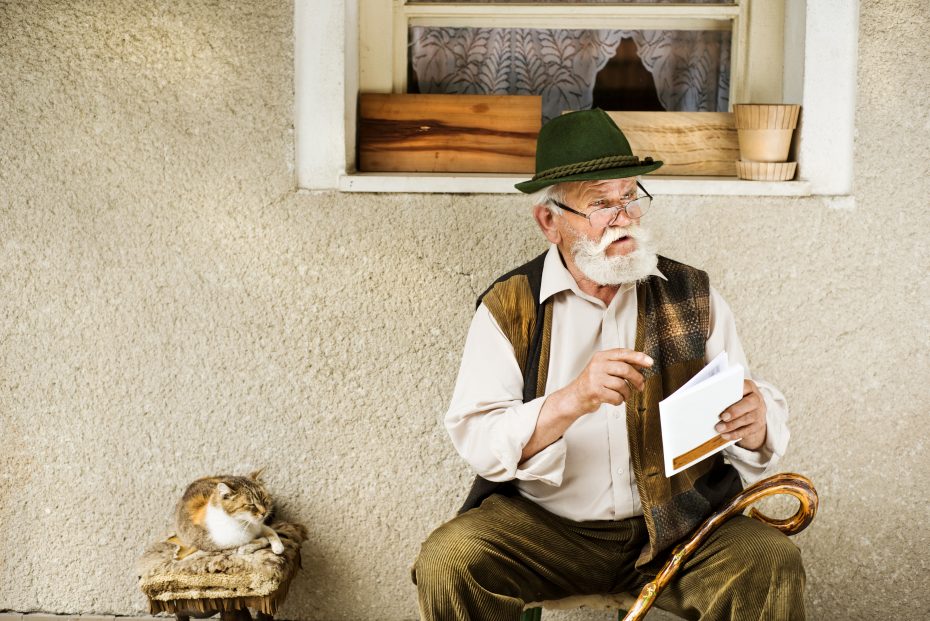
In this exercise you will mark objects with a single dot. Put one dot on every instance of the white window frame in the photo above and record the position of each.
(330, 40)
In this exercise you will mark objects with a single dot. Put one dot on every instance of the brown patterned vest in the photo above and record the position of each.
(671, 327)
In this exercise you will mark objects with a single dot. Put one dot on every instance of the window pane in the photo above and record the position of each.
(673, 70)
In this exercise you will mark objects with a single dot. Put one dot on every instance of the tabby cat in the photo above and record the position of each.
(223, 512)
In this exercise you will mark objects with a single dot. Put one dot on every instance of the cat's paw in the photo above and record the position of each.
(277, 547)
(253, 546)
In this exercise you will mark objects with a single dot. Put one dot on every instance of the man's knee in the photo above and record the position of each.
(450, 554)
(768, 556)
(463, 572)
(786, 557)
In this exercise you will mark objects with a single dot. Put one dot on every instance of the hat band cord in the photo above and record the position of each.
(598, 164)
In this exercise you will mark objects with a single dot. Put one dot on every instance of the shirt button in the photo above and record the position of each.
(619, 470)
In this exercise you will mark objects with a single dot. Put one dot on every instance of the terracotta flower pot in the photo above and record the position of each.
(765, 171)
(764, 130)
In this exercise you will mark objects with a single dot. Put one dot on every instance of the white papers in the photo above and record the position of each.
(689, 414)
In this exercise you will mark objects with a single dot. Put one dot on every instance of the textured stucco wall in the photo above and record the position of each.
(170, 307)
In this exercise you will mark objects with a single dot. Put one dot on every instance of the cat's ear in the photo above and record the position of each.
(256, 476)
(224, 490)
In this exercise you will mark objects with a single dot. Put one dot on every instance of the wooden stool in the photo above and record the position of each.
(227, 582)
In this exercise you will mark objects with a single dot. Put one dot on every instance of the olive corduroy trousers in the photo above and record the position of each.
(486, 563)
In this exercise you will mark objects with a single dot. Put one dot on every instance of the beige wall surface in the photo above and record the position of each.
(170, 307)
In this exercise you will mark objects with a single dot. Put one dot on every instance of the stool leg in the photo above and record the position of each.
(532, 614)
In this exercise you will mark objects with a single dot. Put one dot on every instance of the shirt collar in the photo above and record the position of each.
(556, 277)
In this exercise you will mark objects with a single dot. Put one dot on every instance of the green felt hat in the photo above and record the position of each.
(583, 146)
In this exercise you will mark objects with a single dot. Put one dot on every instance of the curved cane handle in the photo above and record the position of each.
(786, 483)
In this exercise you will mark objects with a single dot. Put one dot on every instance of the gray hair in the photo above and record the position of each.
(546, 195)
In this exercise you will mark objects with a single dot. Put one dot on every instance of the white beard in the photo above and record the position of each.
(591, 259)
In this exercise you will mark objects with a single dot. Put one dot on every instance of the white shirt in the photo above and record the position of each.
(587, 474)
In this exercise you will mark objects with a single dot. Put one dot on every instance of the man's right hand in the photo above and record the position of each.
(610, 377)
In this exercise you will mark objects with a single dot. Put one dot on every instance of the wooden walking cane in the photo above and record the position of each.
(786, 483)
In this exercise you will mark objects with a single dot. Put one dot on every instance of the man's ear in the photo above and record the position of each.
(547, 225)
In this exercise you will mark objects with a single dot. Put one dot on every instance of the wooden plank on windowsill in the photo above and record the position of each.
(689, 143)
(448, 133)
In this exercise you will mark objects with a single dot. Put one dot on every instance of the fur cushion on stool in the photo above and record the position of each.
(252, 575)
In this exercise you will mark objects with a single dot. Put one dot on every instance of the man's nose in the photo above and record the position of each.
(622, 219)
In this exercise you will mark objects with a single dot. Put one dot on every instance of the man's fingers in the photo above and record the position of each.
(613, 397)
(744, 432)
(612, 375)
(740, 408)
(629, 356)
(739, 422)
(625, 371)
(744, 421)
(619, 385)
(750, 402)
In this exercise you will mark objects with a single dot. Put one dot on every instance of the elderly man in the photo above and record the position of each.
(556, 408)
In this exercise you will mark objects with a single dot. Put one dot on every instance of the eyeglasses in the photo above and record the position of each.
(603, 217)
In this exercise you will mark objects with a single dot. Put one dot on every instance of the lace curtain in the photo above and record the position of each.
(691, 69)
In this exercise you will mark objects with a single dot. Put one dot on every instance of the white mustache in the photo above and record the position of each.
(591, 257)
(613, 233)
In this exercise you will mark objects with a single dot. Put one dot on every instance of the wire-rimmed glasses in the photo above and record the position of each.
(604, 216)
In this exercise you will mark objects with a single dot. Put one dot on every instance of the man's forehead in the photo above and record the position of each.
(584, 190)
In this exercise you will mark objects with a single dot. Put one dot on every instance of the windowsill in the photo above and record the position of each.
(479, 183)
(821, 61)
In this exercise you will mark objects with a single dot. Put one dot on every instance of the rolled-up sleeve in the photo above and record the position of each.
(487, 420)
(751, 465)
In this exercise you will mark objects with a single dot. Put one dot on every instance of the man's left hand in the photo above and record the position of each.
(745, 419)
